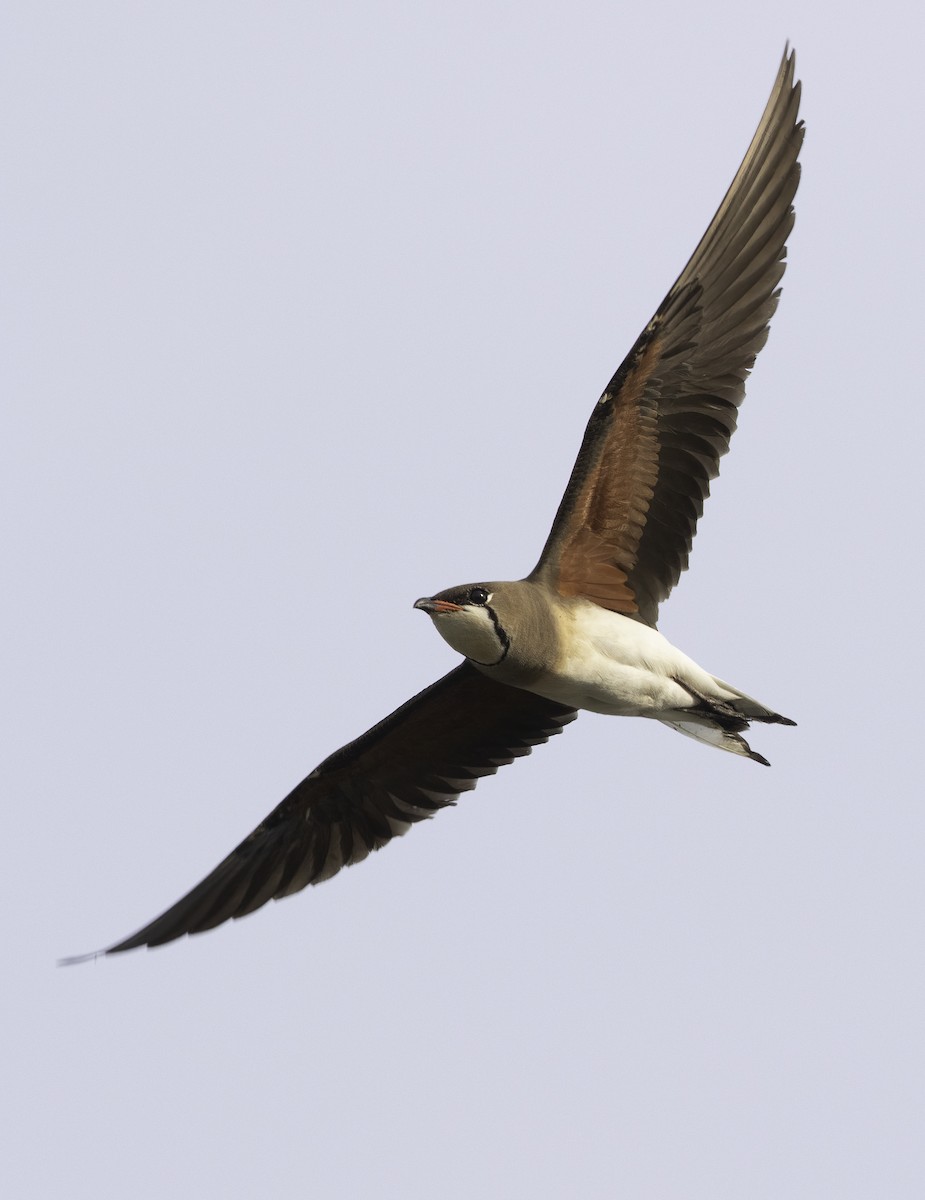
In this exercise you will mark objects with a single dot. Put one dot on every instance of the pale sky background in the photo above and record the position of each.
(305, 307)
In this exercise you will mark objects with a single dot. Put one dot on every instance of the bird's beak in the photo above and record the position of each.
(436, 607)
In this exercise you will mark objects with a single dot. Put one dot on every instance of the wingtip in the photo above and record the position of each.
(72, 960)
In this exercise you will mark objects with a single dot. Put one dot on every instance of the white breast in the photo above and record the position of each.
(612, 664)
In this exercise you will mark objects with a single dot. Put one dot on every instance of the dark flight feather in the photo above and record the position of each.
(406, 768)
(624, 528)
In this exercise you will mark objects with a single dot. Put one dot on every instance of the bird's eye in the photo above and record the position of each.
(478, 595)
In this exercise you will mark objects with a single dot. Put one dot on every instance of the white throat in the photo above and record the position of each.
(472, 632)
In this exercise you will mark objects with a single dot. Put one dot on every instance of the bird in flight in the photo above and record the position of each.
(579, 632)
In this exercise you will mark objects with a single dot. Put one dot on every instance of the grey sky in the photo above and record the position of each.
(305, 310)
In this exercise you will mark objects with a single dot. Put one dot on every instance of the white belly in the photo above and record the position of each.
(614, 665)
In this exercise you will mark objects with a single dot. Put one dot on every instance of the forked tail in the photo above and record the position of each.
(720, 722)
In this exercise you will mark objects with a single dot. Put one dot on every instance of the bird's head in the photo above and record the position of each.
(468, 618)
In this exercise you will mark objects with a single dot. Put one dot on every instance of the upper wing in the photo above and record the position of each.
(624, 528)
(416, 761)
